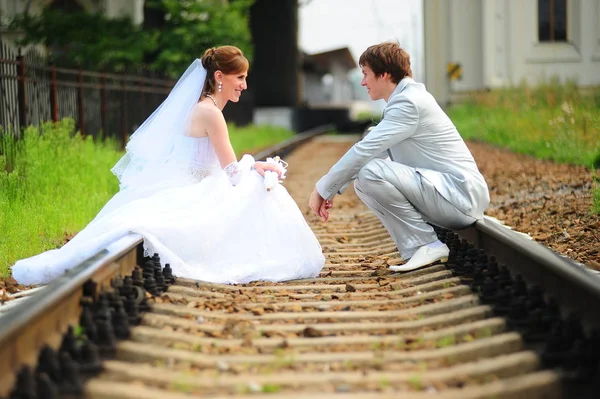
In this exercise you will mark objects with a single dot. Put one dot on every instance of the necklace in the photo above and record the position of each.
(213, 100)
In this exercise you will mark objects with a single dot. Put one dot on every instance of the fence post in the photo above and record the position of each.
(143, 95)
(53, 93)
(21, 93)
(124, 111)
(80, 111)
(103, 113)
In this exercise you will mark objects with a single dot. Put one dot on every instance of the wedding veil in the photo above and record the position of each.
(152, 145)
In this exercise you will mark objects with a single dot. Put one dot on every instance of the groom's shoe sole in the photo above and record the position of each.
(399, 269)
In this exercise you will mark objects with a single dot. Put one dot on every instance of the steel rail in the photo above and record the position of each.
(17, 322)
(571, 287)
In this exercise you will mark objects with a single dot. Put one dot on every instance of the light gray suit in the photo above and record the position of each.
(412, 168)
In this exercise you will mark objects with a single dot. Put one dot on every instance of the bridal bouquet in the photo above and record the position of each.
(271, 178)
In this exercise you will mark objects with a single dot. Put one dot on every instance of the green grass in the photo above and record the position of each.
(596, 194)
(251, 139)
(53, 184)
(552, 121)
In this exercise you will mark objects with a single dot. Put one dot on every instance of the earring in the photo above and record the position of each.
(220, 86)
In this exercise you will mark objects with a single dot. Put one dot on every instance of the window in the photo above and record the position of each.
(552, 20)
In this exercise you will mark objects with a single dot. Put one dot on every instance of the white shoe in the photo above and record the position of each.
(423, 257)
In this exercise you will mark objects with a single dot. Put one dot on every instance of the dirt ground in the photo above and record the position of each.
(548, 201)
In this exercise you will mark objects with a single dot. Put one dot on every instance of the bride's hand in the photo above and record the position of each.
(262, 167)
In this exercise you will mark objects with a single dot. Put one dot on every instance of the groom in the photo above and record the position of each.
(413, 169)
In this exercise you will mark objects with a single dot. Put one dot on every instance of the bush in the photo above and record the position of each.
(51, 185)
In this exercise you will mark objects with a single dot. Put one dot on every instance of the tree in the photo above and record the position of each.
(90, 41)
(175, 32)
(191, 26)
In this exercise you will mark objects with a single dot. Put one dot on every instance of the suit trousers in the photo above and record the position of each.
(407, 204)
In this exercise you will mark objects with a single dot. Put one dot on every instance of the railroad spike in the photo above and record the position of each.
(49, 365)
(25, 387)
(46, 388)
(90, 358)
(72, 383)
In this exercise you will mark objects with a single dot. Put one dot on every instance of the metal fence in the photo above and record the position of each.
(33, 91)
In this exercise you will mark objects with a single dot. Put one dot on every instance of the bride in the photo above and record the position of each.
(183, 190)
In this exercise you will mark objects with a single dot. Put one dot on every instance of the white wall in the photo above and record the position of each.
(466, 48)
(313, 89)
(578, 58)
(436, 48)
(496, 42)
(338, 91)
(341, 88)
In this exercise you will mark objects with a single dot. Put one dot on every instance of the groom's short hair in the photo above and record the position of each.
(387, 57)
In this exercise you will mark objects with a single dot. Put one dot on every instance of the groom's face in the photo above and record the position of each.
(372, 83)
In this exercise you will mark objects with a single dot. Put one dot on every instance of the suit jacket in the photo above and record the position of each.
(416, 132)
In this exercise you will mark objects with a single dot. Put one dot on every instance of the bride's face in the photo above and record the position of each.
(233, 85)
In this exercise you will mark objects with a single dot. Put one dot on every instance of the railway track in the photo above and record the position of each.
(504, 318)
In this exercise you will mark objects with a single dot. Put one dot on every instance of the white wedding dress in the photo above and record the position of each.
(200, 223)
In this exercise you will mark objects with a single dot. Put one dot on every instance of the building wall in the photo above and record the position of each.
(341, 88)
(466, 42)
(313, 89)
(496, 43)
(437, 48)
(579, 58)
(338, 91)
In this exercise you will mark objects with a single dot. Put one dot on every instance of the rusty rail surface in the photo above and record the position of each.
(489, 323)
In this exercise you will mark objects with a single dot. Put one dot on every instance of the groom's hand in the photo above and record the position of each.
(318, 205)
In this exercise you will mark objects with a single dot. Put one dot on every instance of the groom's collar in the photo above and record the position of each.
(401, 85)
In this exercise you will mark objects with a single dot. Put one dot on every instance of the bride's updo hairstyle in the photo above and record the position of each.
(227, 59)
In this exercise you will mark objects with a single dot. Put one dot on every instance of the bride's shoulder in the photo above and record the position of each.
(207, 111)
(206, 119)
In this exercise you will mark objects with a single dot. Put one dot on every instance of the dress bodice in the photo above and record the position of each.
(197, 150)
(198, 154)
(196, 157)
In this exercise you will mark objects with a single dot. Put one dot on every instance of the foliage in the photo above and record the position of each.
(191, 26)
(183, 31)
(53, 184)
(89, 41)
(56, 183)
(254, 138)
(369, 116)
(552, 121)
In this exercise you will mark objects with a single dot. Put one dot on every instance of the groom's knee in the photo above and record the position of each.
(370, 178)
(370, 173)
